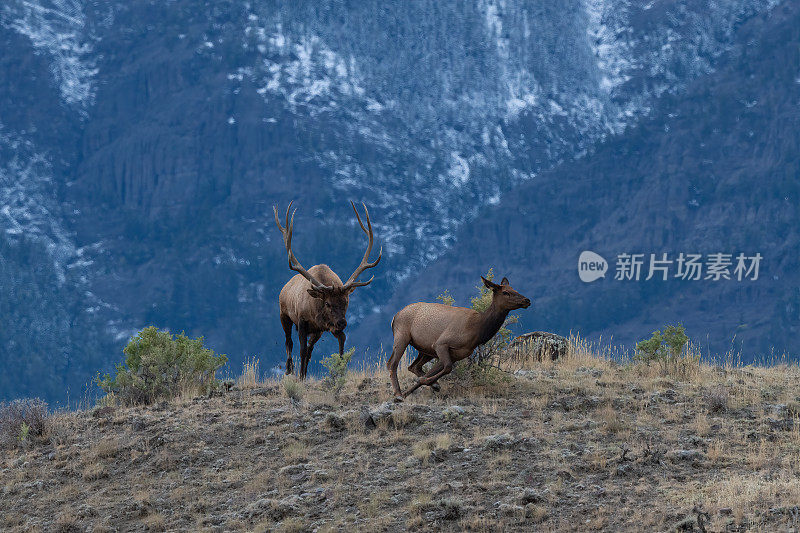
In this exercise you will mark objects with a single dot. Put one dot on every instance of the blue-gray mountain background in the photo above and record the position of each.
(143, 145)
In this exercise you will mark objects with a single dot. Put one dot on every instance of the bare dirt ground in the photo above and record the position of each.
(581, 444)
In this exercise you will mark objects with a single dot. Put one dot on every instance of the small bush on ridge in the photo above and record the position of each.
(22, 420)
(337, 370)
(446, 298)
(160, 365)
(666, 348)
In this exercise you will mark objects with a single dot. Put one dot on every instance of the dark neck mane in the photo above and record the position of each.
(491, 321)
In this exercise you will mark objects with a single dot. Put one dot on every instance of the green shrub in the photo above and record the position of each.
(23, 432)
(159, 365)
(667, 348)
(446, 298)
(337, 370)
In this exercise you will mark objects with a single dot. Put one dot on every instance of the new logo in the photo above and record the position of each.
(591, 266)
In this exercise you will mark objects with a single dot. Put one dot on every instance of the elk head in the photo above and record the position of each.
(504, 297)
(332, 315)
(332, 297)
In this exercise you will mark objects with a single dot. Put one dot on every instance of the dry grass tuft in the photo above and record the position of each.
(701, 425)
(716, 399)
(94, 472)
(107, 448)
(611, 421)
(251, 375)
(296, 452)
(293, 388)
(67, 523)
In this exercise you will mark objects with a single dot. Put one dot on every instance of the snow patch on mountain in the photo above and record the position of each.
(28, 207)
(303, 71)
(493, 11)
(57, 28)
(606, 30)
(686, 42)
(459, 170)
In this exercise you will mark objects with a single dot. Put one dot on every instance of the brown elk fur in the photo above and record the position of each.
(316, 300)
(447, 333)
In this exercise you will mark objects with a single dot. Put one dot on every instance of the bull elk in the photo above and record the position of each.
(316, 300)
(447, 333)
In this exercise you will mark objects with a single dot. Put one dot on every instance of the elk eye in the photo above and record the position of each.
(327, 304)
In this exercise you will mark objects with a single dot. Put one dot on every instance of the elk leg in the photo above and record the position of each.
(287, 324)
(398, 349)
(340, 336)
(416, 367)
(446, 363)
(302, 333)
(312, 340)
(436, 368)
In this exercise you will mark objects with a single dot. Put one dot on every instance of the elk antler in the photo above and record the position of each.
(294, 264)
(365, 264)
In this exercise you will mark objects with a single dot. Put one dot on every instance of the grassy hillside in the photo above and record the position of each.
(584, 443)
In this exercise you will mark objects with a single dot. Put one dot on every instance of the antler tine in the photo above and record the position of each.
(358, 217)
(278, 220)
(365, 264)
(288, 208)
(294, 264)
(289, 233)
(362, 283)
(369, 221)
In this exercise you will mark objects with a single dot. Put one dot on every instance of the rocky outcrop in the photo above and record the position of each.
(539, 345)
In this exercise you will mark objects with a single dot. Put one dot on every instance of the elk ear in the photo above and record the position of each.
(489, 284)
(315, 293)
(505, 282)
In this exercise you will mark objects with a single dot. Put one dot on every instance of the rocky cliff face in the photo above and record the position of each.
(144, 144)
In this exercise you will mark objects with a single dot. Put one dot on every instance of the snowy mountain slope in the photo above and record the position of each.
(50, 340)
(28, 208)
(58, 29)
(482, 97)
(714, 169)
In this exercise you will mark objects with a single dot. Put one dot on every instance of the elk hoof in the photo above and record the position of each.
(289, 367)
(436, 387)
(398, 398)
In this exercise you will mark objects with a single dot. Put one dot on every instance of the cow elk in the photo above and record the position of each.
(316, 300)
(447, 333)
